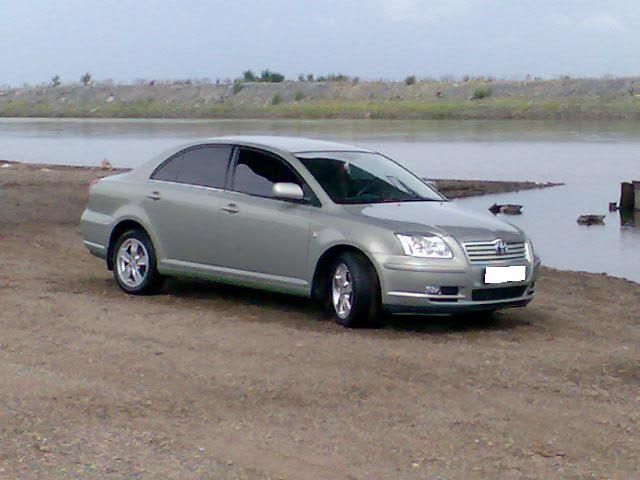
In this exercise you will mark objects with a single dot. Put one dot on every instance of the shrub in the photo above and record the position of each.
(410, 80)
(55, 81)
(340, 77)
(269, 76)
(86, 79)
(276, 99)
(298, 96)
(310, 77)
(237, 86)
(483, 91)
(248, 76)
(301, 77)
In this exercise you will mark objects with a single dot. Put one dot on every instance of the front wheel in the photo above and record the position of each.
(134, 263)
(354, 291)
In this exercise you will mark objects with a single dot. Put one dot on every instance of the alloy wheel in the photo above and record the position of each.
(132, 262)
(342, 291)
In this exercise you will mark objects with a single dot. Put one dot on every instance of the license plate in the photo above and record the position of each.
(514, 273)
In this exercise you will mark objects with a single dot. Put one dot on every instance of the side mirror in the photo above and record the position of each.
(287, 191)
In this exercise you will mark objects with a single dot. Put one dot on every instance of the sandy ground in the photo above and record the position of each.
(217, 382)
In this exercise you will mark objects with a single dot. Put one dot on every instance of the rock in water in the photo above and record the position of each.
(591, 219)
(507, 209)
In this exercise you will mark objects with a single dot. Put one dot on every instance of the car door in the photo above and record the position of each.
(183, 205)
(265, 239)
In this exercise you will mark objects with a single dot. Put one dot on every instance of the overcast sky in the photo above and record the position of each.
(129, 39)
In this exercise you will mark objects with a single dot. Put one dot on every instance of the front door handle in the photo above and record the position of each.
(231, 208)
(154, 196)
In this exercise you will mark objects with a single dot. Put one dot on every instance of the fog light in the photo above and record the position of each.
(431, 290)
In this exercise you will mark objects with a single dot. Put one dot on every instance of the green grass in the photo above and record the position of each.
(487, 108)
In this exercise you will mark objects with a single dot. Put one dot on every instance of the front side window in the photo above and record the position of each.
(203, 166)
(363, 177)
(257, 172)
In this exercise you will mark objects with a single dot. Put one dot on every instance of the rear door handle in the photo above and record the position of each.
(230, 208)
(154, 196)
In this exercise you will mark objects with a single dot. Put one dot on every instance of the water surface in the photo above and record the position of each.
(590, 158)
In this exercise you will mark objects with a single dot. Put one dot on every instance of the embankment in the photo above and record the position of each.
(578, 99)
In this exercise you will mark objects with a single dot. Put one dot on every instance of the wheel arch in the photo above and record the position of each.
(318, 286)
(120, 227)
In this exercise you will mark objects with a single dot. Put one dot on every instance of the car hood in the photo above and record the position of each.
(442, 218)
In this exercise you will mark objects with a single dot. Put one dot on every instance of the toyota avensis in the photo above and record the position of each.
(341, 224)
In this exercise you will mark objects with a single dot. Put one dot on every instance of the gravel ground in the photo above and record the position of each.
(206, 381)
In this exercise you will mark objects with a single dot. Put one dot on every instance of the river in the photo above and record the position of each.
(590, 158)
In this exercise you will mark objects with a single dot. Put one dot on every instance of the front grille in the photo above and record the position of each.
(503, 293)
(487, 252)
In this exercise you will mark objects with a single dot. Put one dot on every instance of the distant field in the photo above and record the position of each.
(617, 98)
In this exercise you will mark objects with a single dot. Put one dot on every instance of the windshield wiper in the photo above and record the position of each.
(410, 199)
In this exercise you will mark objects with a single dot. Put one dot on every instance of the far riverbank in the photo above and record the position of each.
(558, 99)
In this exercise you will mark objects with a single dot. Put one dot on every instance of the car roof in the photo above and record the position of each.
(288, 144)
(291, 145)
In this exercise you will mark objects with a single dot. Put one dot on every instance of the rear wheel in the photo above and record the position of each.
(354, 291)
(134, 263)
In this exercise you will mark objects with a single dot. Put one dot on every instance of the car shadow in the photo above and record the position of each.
(479, 321)
(302, 312)
(299, 312)
(273, 304)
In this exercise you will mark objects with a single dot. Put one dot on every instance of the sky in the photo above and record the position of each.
(126, 40)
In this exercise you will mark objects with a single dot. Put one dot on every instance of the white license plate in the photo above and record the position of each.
(514, 273)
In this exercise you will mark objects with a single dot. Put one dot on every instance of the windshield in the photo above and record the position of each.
(363, 177)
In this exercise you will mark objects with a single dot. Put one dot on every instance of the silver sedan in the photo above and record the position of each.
(343, 225)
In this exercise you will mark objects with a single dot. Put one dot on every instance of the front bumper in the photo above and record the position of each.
(404, 281)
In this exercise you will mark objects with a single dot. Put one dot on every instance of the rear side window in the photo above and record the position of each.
(168, 171)
(256, 173)
(204, 166)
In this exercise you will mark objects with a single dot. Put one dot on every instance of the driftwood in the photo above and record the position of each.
(507, 209)
(591, 219)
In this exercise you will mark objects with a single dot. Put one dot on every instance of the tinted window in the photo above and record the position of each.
(257, 172)
(205, 166)
(168, 171)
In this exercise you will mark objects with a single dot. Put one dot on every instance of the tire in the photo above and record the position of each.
(354, 292)
(135, 249)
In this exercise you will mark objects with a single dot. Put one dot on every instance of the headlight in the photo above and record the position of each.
(424, 246)
(528, 250)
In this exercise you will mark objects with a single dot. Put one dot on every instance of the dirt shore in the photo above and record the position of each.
(208, 381)
(473, 188)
